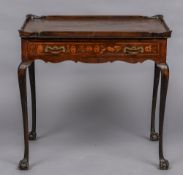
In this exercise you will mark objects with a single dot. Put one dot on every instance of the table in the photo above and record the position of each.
(94, 39)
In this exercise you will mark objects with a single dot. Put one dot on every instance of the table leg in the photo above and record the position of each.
(164, 164)
(24, 163)
(32, 134)
(154, 136)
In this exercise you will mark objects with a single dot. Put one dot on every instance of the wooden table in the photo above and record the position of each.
(94, 39)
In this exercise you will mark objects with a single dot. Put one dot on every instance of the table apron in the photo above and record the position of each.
(92, 51)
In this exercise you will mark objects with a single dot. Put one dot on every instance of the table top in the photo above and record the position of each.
(94, 27)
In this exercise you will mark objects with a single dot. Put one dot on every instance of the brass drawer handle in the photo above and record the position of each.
(55, 50)
(133, 50)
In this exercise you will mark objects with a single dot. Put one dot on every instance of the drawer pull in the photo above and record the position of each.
(55, 50)
(133, 50)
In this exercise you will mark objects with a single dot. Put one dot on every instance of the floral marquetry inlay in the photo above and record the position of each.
(94, 51)
(98, 49)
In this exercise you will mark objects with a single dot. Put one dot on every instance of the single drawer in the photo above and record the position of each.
(94, 51)
(60, 48)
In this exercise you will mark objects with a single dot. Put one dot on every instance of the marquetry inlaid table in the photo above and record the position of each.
(94, 39)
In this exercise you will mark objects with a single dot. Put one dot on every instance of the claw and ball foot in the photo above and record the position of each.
(163, 164)
(24, 164)
(32, 135)
(154, 136)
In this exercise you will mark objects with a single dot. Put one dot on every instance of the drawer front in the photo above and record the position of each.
(129, 51)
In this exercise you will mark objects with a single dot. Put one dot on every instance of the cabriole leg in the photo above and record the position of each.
(24, 163)
(164, 164)
(32, 134)
(154, 136)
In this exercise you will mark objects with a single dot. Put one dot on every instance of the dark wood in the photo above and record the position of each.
(164, 164)
(94, 27)
(154, 136)
(24, 163)
(32, 134)
(95, 51)
(94, 39)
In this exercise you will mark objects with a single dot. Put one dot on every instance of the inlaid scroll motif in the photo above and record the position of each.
(98, 49)
(148, 48)
(92, 48)
(73, 49)
(112, 49)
